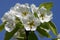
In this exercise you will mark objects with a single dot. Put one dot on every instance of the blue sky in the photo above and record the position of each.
(5, 5)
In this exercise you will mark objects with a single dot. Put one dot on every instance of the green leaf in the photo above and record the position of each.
(47, 5)
(9, 35)
(45, 25)
(35, 14)
(43, 32)
(2, 26)
(53, 28)
(55, 39)
(32, 36)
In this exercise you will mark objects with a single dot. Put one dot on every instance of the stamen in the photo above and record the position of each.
(31, 24)
(42, 16)
(24, 13)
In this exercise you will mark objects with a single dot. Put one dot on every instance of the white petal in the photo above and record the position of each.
(27, 28)
(24, 20)
(47, 19)
(27, 5)
(9, 26)
(42, 21)
(8, 16)
(49, 14)
(33, 28)
(34, 8)
(17, 6)
(58, 39)
(36, 22)
(8, 29)
(58, 36)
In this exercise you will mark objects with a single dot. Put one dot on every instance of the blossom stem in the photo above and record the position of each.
(27, 34)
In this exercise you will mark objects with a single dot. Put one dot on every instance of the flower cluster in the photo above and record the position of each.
(23, 20)
(30, 16)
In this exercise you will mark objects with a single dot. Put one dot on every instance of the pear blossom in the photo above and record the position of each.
(26, 14)
(23, 13)
(22, 10)
(30, 23)
(10, 18)
(28, 18)
(44, 15)
(9, 26)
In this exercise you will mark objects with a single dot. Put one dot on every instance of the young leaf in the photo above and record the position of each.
(47, 5)
(44, 25)
(2, 26)
(32, 36)
(43, 32)
(53, 28)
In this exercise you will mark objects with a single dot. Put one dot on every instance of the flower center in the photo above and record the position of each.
(42, 16)
(24, 13)
(31, 24)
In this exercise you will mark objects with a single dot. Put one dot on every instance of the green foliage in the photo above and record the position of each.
(43, 32)
(2, 26)
(21, 34)
(48, 25)
(47, 5)
(19, 23)
(9, 35)
(32, 36)
(45, 25)
(52, 27)
(35, 14)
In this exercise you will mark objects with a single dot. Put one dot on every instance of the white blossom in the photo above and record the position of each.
(44, 15)
(9, 26)
(10, 18)
(26, 14)
(22, 10)
(31, 23)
